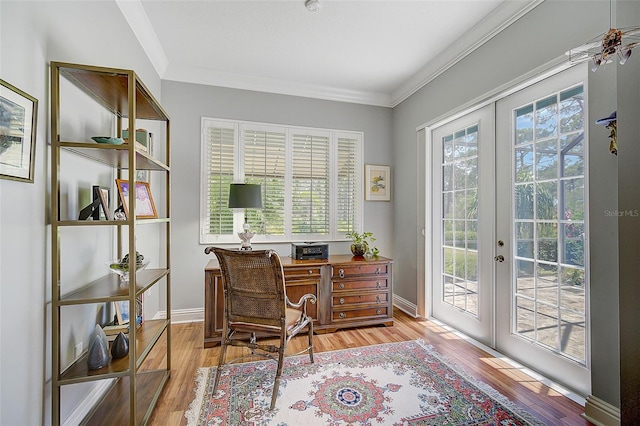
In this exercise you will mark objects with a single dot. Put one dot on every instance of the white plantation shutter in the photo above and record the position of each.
(219, 163)
(349, 184)
(265, 164)
(310, 185)
(311, 181)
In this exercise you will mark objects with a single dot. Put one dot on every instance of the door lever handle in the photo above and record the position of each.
(499, 258)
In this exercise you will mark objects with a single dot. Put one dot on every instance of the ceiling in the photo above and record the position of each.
(375, 52)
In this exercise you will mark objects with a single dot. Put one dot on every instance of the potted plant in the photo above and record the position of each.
(360, 242)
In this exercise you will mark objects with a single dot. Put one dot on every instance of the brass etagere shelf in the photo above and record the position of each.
(134, 389)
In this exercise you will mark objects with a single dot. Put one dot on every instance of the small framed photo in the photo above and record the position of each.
(18, 112)
(122, 312)
(123, 315)
(377, 182)
(102, 194)
(145, 207)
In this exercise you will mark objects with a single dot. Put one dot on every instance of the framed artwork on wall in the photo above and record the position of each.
(377, 182)
(18, 112)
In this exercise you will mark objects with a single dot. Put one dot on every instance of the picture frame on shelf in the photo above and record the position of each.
(145, 207)
(18, 117)
(103, 195)
(123, 312)
(377, 182)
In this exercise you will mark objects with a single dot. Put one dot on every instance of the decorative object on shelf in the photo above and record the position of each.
(18, 112)
(98, 355)
(88, 211)
(120, 346)
(245, 196)
(143, 139)
(121, 267)
(377, 183)
(119, 214)
(145, 207)
(108, 140)
(360, 242)
(611, 123)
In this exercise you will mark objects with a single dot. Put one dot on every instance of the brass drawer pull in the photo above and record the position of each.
(378, 311)
(342, 315)
(341, 286)
(341, 273)
(341, 301)
(377, 271)
(310, 271)
(377, 284)
(378, 299)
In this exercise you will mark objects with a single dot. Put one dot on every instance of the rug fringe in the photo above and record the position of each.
(193, 413)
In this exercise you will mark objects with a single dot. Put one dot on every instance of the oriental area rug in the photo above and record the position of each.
(406, 383)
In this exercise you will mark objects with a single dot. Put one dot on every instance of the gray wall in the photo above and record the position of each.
(31, 35)
(628, 90)
(542, 36)
(187, 103)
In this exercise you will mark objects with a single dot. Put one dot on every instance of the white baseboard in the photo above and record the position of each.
(601, 413)
(86, 405)
(405, 306)
(182, 315)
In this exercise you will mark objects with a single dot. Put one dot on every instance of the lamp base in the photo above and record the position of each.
(246, 239)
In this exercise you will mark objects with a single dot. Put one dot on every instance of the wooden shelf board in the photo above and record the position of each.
(109, 288)
(110, 87)
(113, 155)
(146, 337)
(114, 408)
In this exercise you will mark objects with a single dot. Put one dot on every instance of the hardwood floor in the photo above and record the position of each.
(188, 355)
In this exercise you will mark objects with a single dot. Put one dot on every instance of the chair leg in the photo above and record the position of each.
(221, 362)
(276, 383)
(311, 341)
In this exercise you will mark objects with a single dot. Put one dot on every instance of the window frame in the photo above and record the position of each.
(240, 127)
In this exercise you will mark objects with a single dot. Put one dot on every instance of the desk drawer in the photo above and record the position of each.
(381, 283)
(346, 271)
(356, 314)
(360, 299)
(302, 272)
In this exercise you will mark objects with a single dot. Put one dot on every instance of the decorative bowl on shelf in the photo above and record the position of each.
(122, 268)
(108, 140)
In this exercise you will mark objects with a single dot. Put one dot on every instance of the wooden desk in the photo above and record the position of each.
(351, 292)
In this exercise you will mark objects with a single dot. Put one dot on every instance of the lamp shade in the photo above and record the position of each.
(244, 195)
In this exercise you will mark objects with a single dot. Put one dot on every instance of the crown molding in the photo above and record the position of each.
(501, 18)
(505, 15)
(260, 84)
(138, 20)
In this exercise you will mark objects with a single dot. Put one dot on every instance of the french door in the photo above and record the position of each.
(463, 169)
(510, 227)
(542, 285)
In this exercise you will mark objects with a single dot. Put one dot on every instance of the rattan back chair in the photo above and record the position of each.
(256, 305)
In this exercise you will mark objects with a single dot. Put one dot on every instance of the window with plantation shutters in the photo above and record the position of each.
(348, 202)
(310, 179)
(264, 164)
(219, 162)
(310, 185)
